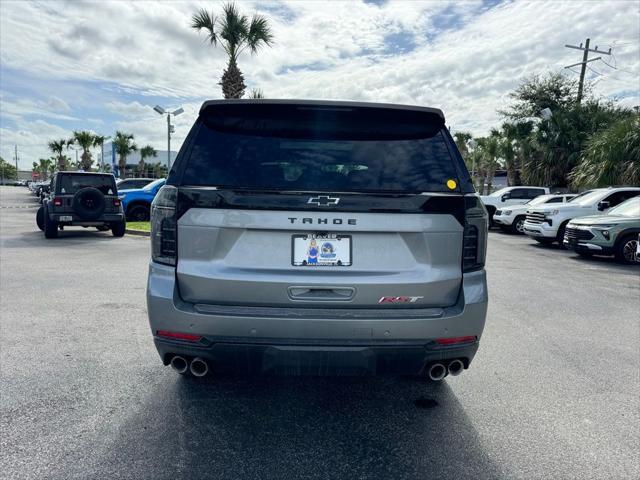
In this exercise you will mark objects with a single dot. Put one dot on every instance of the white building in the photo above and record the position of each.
(111, 158)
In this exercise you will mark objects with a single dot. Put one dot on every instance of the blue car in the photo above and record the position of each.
(137, 202)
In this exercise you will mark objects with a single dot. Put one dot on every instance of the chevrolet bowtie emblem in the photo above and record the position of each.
(323, 201)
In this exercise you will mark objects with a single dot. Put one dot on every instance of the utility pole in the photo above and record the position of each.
(585, 60)
(16, 157)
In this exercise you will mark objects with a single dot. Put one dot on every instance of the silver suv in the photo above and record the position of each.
(321, 238)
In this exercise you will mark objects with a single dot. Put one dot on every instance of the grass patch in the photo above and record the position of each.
(140, 226)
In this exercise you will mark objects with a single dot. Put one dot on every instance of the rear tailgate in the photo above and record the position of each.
(380, 187)
(245, 257)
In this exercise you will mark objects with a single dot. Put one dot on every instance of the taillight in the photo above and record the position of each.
(116, 202)
(187, 337)
(57, 202)
(164, 226)
(474, 235)
(456, 340)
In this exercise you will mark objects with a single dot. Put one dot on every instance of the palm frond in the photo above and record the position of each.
(259, 34)
(202, 20)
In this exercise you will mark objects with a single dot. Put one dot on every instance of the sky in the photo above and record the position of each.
(102, 66)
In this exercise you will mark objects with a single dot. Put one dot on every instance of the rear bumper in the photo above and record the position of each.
(76, 220)
(289, 340)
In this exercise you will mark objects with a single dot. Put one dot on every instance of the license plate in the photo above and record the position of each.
(318, 250)
(66, 218)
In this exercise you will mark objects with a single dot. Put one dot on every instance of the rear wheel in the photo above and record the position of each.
(118, 229)
(138, 213)
(40, 218)
(625, 251)
(518, 225)
(50, 226)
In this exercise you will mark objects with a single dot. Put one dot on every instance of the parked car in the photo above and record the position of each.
(81, 199)
(510, 196)
(512, 218)
(546, 224)
(615, 233)
(137, 202)
(318, 237)
(133, 183)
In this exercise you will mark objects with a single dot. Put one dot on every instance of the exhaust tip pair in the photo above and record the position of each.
(198, 367)
(438, 371)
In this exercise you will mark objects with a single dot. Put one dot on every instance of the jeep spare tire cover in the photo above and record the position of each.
(88, 203)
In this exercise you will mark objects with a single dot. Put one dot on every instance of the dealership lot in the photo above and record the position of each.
(553, 392)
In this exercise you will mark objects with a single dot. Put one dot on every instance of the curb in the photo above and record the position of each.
(138, 233)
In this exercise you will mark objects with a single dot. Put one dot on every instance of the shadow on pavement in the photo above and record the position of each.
(303, 427)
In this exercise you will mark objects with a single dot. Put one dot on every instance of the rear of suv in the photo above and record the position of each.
(323, 238)
(81, 199)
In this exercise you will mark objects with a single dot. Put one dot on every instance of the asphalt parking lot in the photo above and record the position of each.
(554, 391)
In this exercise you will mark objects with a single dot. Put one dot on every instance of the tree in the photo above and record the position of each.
(43, 167)
(610, 157)
(58, 147)
(7, 171)
(508, 151)
(145, 152)
(236, 33)
(256, 93)
(85, 140)
(124, 145)
(553, 91)
(99, 142)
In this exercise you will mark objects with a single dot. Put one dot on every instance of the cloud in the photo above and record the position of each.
(111, 61)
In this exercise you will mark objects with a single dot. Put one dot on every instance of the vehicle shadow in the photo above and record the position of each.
(609, 262)
(304, 427)
(28, 239)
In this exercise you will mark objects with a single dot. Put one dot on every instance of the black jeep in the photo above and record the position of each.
(81, 199)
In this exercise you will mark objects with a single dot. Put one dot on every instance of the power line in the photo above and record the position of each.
(585, 60)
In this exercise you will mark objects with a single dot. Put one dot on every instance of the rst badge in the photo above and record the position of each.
(400, 299)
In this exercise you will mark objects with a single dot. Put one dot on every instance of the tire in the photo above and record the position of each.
(560, 235)
(518, 225)
(118, 229)
(88, 203)
(50, 227)
(138, 213)
(544, 241)
(40, 218)
(625, 249)
(491, 210)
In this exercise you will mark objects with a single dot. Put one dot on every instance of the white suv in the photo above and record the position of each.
(510, 196)
(546, 223)
(512, 218)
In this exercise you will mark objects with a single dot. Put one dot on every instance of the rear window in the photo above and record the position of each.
(70, 184)
(327, 151)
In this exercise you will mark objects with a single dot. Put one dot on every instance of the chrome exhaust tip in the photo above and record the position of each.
(179, 364)
(437, 372)
(456, 367)
(199, 367)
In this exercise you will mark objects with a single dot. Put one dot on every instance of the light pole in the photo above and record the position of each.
(170, 129)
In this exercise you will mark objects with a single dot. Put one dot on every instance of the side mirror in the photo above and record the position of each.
(506, 196)
(603, 205)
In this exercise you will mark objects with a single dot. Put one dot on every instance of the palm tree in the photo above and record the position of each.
(85, 140)
(235, 33)
(99, 142)
(145, 152)
(611, 157)
(57, 147)
(124, 145)
(43, 167)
